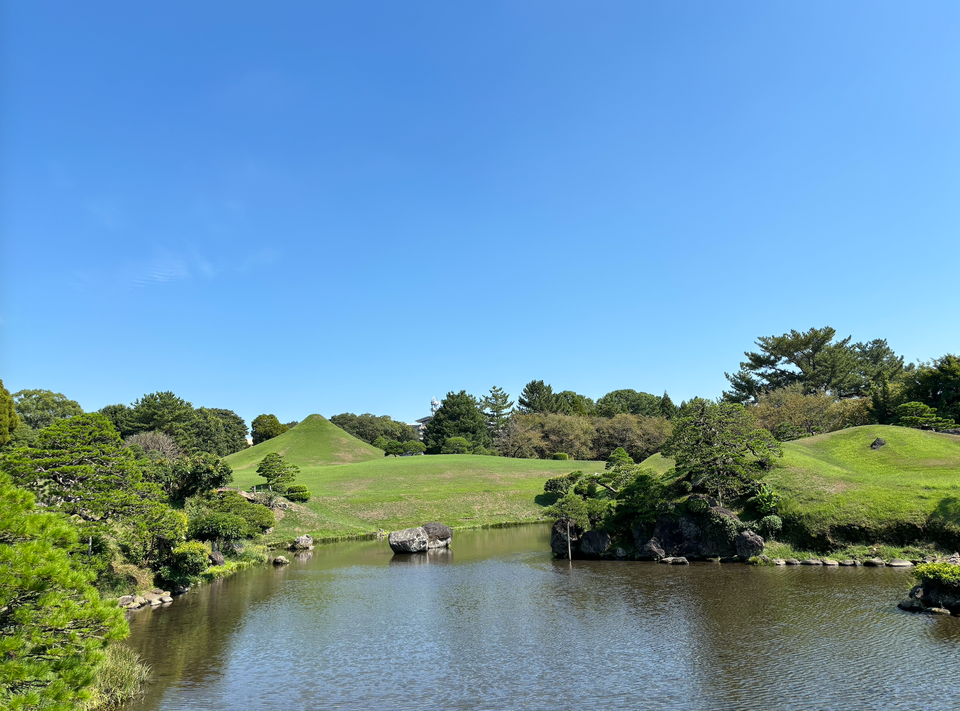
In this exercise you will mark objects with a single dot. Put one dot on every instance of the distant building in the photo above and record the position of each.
(421, 425)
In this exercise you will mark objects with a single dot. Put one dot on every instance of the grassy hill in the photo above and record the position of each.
(838, 490)
(315, 442)
(461, 490)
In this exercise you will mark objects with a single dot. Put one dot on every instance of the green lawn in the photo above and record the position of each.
(397, 492)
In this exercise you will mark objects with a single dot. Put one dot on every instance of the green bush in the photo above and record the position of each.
(187, 561)
(298, 493)
(561, 456)
(770, 526)
(697, 506)
(941, 575)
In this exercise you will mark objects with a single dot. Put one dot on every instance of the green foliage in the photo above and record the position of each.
(638, 501)
(217, 431)
(162, 412)
(298, 493)
(937, 385)
(570, 507)
(562, 456)
(120, 678)
(41, 408)
(185, 563)
(266, 427)
(628, 402)
(572, 403)
(121, 417)
(814, 360)
(619, 457)
(459, 415)
(639, 436)
(257, 517)
(770, 526)
(496, 409)
(370, 428)
(921, 417)
(561, 484)
(766, 500)
(53, 624)
(539, 398)
(278, 473)
(218, 526)
(456, 445)
(940, 575)
(9, 420)
(414, 447)
(667, 408)
(698, 505)
(717, 450)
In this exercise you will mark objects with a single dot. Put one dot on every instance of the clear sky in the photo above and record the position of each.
(300, 207)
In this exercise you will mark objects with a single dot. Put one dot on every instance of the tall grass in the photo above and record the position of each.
(121, 677)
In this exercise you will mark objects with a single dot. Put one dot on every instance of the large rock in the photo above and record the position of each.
(301, 543)
(215, 558)
(409, 540)
(878, 443)
(651, 550)
(438, 535)
(708, 534)
(559, 538)
(594, 544)
(749, 544)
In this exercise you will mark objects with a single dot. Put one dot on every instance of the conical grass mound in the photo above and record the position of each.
(315, 442)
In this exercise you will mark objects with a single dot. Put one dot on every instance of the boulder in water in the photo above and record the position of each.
(409, 540)
(438, 535)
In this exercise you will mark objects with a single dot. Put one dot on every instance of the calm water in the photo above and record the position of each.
(498, 624)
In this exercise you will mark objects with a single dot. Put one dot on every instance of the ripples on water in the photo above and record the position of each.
(355, 628)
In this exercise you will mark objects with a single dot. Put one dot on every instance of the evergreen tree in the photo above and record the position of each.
(163, 412)
(9, 420)
(667, 408)
(921, 417)
(41, 408)
(278, 473)
(459, 415)
(538, 398)
(53, 624)
(497, 406)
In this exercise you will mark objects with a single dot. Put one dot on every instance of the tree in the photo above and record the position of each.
(414, 447)
(371, 427)
(190, 475)
(456, 445)
(9, 420)
(156, 444)
(459, 415)
(120, 416)
(667, 408)
(639, 436)
(163, 412)
(522, 439)
(619, 457)
(53, 624)
(539, 398)
(496, 408)
(277, 472)
(789, 413)
(566, 433)
(41, 408)
(266, 427)
(218, 527)
(811, 358)
(621, 402)
(937, 385)
(575, 404)
(717, 449)
(921, 417)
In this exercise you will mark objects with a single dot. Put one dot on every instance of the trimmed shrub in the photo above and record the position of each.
(940, 575)
(770, 526)
(298, 493)
(187, 561)
(561, 456)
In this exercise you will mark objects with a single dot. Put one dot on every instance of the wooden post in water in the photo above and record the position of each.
(569, 553)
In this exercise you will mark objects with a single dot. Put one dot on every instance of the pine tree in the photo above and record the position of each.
(278, 473)
(497, 406)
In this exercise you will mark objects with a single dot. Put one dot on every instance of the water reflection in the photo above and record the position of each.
(496, 623)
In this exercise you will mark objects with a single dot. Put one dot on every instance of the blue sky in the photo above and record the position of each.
(324, 207)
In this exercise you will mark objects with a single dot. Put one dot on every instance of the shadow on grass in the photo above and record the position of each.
(546, 499)
(944, 522)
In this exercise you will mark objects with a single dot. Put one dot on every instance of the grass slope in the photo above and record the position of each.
(460, 490)
(837, 490)
(315, 442)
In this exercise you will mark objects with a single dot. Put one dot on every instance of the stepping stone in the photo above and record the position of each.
(779, 561)
(792, 561)
(830, 563)
(900, 563)
(848, 563)
(874, 563)
(811, 561)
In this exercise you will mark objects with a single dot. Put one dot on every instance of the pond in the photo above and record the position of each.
(496, 623)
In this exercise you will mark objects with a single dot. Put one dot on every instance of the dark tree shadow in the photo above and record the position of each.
(546, 499)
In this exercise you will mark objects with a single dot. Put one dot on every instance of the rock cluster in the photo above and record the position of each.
(429, 536)
(932, 599)
(301, 543)
(151, 598)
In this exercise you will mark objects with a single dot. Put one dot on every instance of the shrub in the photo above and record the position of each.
(770, 526)
(298, 493)
(941, 575)
(561, 456)
(697, 506)
(766, 501)
(456, 445)
(218, 526)
(187, 561)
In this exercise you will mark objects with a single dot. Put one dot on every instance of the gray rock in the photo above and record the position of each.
(166, 598)
(811, 561)
(125, 600)
(439, 535)
(874, 563)
(666, 561)
(215, 558)
(779, 561)
(409, 540)
(830, 563)
(620, 553)
(594, 544)
(281, 560)
(301, 543)
(679, 560)
(878, 443)
(713, 560)
(900, 563)
(848, 563)
(792, 561)
(749, 544)
(558, 539)
(910, 605)
(937, 611)
(651, 550)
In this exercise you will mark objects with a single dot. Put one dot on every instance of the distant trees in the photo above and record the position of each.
(459, 415)
(8, 416)
(937, 385)
(41, 408)
(369, 427)
(815, 361)
(628, 402)
(266, 427)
